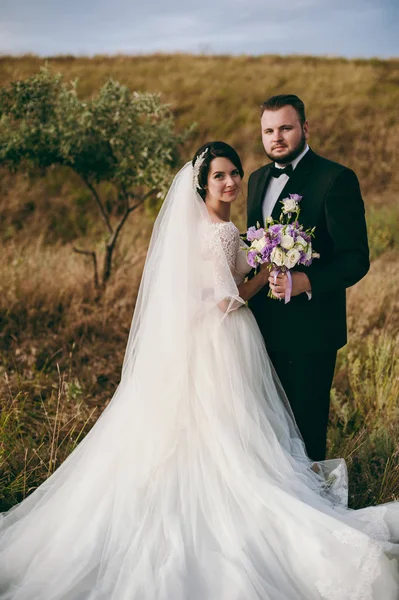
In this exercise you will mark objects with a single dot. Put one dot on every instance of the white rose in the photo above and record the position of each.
(287, 241)
(291, 258)
(277, 257)
(258, 245)
(301, 241)
(289, 205)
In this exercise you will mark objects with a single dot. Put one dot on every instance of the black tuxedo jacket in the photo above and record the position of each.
(332, 202)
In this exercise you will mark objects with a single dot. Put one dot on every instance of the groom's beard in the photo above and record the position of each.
(284, 160)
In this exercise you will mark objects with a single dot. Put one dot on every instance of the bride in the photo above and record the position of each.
(194, 483)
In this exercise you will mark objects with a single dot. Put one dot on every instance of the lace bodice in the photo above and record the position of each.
(234, 249)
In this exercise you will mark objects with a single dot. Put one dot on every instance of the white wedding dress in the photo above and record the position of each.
(194, 483)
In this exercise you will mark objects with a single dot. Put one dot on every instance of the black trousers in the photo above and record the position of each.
(307, 380)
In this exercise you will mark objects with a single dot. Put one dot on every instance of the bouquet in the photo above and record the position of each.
(283, 243)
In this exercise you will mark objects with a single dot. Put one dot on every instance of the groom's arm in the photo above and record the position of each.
(346, 224)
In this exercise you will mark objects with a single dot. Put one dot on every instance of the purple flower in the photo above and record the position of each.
(266, 252)
(302, 260)
(291, 230)
(275, 231)
(296, 197)
(255, 234)
(251, 258)
(275, 234)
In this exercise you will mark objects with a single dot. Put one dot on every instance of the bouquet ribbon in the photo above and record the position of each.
(288, 291)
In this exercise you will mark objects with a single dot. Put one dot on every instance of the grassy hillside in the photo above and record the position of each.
(61, 350)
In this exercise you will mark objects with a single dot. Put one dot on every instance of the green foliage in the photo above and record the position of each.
(36, 436)
(120, 136)
(383, 228)
(124, 138)
(364, 418)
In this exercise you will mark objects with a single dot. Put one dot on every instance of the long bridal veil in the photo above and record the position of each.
(74, 532)
(194, 483)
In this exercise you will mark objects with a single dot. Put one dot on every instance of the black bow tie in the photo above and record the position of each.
(277, 172)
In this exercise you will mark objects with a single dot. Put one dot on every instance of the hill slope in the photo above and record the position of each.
(61, 351)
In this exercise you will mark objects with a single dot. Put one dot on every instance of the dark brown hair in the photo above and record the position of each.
(214, 150)
(277, 102)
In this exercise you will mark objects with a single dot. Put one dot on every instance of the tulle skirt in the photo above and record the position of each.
(194, 485)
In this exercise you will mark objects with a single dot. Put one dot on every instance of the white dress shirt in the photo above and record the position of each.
(276, 185)
(274, 189)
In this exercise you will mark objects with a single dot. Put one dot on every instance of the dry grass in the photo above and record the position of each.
(365, 413)
(352, 105)
(61, 350)
(37, 434)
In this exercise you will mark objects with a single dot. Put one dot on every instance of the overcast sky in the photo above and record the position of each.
(351, 28)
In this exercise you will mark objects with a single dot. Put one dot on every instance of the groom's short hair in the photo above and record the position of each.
(277, 102)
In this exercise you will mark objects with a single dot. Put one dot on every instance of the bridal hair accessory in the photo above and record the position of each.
(197, 167)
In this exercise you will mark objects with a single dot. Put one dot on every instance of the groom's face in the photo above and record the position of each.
(283, 135)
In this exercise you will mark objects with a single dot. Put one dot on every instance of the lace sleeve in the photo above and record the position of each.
(234, 250)
(221, 247)
(230, 239)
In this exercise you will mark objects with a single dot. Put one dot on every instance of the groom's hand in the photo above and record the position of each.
(300, 284)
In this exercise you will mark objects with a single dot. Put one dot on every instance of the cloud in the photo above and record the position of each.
(361, 28)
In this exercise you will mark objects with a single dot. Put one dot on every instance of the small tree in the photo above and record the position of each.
(122, 137)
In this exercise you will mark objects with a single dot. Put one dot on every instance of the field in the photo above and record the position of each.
(61, 348)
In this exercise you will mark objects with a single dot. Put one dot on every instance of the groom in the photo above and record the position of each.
(303, 336)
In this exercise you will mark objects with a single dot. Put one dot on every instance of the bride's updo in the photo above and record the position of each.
(210, 151)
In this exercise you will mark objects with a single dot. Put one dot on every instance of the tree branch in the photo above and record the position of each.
(125, 195)
(95, 268)
(147, 195)
(112, 242)
(140, 199)
(99, 204)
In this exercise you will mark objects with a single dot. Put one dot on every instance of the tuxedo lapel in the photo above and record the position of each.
(297, 181)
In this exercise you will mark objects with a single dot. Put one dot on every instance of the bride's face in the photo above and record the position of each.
(223, 180)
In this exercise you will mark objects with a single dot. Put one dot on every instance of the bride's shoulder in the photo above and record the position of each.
(221, 235)
(221, 228)
(225, 227)
(226, 231)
